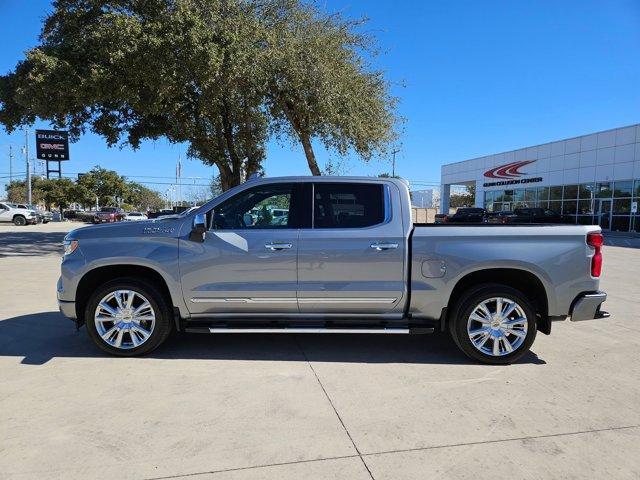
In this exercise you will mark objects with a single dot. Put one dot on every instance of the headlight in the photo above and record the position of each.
(70, 246)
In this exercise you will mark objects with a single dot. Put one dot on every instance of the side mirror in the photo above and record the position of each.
(199, 228)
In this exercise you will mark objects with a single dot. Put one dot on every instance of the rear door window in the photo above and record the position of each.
(347, 205)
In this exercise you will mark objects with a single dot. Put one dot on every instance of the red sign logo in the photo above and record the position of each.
(510, 170)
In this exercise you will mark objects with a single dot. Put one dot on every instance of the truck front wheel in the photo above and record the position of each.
(493, 323)
(128, 317)
(19, 221)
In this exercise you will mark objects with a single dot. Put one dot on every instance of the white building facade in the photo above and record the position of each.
(591, 179)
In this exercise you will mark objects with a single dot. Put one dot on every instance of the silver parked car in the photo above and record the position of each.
(346, 259)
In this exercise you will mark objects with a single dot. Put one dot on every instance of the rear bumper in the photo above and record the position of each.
(586, 306)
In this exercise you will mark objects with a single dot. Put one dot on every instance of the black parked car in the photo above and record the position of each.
(535, 215)
(468, 215)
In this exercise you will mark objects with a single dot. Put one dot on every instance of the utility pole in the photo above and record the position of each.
(26, 156)
(10, 163)
(393, 168)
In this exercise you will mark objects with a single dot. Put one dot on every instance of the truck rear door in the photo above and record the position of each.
(352, 259)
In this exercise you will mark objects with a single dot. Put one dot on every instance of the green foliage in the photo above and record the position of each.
(264, 217)
(467, 199)
(109, 187)
(221, 75)
(143, 198)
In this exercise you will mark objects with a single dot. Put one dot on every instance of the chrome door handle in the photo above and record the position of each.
(384, 246)
(277, 246)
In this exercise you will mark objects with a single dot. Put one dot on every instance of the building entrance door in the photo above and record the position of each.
(604, 214)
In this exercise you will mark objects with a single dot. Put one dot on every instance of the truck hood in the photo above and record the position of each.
(142, 228)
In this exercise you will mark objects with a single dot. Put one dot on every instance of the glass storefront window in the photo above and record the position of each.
(488, 197)
(543, 193)
(488, 206)
(497, 206)
(555, 193)
(518, 195)
(570, 191)
(635, 220)
(542, 204)
(507, 196)
(530, 195)
(498, 195)
(620, 224)
(637, 189)
(585, 207)
(622, 206)
(622, 189)
(586, 190)
(569, 207)
(556, 206)
(603, 190)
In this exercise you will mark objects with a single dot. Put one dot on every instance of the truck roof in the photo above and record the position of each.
(329, 178)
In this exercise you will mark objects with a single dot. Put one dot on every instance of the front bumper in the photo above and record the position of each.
(68, 309)
(587, 307)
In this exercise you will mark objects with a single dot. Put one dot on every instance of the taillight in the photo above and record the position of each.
(595, 240)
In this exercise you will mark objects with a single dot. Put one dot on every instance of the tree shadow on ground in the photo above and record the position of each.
(30, 244)
(41, 337)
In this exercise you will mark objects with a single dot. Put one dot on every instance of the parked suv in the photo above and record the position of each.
(108, 215)
(468, 215)
(19, 216)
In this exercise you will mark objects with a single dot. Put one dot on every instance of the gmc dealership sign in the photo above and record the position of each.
(52, 145)
(510, 172)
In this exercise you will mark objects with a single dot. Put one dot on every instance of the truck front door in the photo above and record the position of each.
(352, 259)
(247, 262)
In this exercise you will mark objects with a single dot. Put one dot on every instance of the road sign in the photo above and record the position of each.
(52, 145)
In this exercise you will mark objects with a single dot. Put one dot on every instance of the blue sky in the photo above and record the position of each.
(477, 78)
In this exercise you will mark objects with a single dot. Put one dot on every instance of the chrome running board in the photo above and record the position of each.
(396, 331)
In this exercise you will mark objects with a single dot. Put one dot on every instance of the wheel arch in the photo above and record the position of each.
(525, 281)
(100, 275)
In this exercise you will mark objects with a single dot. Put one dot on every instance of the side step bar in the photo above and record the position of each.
(419, 330)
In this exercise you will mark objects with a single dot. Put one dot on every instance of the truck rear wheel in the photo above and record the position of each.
(128, 317)
(493, 324)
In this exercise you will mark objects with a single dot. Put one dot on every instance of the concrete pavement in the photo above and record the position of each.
(290, 407)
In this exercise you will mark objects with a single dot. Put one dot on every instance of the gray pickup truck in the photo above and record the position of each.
(327, 255)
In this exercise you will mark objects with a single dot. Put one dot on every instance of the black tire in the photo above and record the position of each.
(19, 221)
(467, 303)
(160, 305)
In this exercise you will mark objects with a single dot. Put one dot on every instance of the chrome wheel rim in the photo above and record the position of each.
(124, 319)
(497, 326)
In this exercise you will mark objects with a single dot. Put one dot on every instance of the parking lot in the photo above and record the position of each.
(313, 407)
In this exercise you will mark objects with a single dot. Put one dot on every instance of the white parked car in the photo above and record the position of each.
(19, 216)
(135, 216)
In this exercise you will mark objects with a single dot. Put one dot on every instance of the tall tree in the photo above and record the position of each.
(105, 185)
(320, 85)
(131, 70)
(220, 75)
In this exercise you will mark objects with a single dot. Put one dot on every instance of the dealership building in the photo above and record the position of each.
(591, 179)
